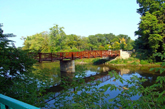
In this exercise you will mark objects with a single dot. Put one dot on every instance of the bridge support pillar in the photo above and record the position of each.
(67, 66)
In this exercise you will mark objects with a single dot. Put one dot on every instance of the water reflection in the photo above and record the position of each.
(124, 71)
(51, 71)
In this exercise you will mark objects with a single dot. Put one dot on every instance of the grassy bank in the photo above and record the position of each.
(132, 61)
(117, 62)
(86, 60)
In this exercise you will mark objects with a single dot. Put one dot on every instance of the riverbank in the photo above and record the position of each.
(86, 61)
(117, 62)
(132, 62)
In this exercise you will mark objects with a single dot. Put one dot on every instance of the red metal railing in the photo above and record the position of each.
(75, 55)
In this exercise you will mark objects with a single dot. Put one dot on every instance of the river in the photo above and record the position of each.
(51, 72)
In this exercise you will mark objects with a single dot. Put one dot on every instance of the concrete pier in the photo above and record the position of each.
(67, 66)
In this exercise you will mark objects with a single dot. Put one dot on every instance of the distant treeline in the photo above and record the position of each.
(57, 41)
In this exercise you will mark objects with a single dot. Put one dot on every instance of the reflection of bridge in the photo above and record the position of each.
(103, 77)
(99, 77)
(75, 55)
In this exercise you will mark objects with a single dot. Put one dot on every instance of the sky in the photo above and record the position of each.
(80, 17)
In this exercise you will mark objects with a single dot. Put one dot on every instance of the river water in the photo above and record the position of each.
(51, 72)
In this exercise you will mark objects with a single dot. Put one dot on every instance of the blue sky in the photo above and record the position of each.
(80, 17)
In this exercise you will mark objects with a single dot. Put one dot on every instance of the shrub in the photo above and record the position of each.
(134, 63)
(144, 62)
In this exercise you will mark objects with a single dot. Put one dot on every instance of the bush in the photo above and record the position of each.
(144, 62)
(134, 63)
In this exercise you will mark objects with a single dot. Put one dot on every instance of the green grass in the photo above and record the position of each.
(132, 61)
(129, 61)
(125, 61)
(143, 62)
(90, 60)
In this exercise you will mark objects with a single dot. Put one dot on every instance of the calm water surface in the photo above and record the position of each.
(51, 72)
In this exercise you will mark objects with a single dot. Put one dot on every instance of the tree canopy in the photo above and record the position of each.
(151, 32)
(13, 62)
(57, 41)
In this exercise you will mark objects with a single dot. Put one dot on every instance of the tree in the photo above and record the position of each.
(56, 37)
(38, 42)
(93, 42)
(53, 41)
(13, 62)
(84, 43)
(101, 47)
(130, 45)
(109, 37)
(16, 77)
(123, 44)
(108, 46)
(151, 32)
(57, 41)
(116, 45)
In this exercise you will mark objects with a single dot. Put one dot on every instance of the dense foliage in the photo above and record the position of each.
(56, 40)
(151, 32)
(13, 62)
(16, 77)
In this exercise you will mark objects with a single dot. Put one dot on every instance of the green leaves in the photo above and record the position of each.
(151, 28)
(16, 78)
(57, 41)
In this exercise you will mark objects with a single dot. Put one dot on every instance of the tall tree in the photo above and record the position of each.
(57, 41)
(122, 43)
(109, 37)
(85, 43)
(13, 62)
(37, 42)
(151, 32)
(56, 37)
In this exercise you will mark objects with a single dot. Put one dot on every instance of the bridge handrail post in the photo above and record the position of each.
(95, 53)
(111, 53)
(72, 56)
(80, 55)
(101, 54)
(40, 57)
(51, 57)
(107, 53)
(61, 56)
(116, 52)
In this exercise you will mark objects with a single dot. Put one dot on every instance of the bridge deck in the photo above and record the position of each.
(75, 55)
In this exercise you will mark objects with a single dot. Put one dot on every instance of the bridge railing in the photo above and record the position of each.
(11, 103)
(73, 55)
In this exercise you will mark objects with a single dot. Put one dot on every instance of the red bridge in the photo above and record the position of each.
(76, 55)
